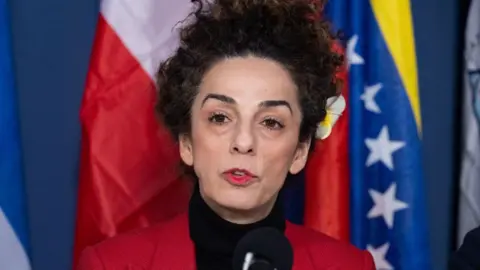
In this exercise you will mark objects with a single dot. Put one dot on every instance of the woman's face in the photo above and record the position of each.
(244, 136)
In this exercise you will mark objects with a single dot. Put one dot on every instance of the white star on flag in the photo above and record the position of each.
(378, 255)
(353, 58)
(385, 204)
(382, 148)
(369, 97)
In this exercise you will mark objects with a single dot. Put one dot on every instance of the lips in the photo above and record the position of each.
(239, 177)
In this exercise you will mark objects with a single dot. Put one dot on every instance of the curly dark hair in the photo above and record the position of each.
(289, 32)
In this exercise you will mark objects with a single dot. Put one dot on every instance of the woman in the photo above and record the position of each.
(243, 94)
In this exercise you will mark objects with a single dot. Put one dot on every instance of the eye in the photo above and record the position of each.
(218, 118)
(272, 123)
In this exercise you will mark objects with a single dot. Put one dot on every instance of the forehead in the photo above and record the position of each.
(251, 78)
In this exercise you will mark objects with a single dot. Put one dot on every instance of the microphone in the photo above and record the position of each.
(263, 249)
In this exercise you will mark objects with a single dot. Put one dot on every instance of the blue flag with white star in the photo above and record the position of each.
(388, 199)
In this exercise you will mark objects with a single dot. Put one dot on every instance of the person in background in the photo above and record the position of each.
(467, 257)
(244, 95)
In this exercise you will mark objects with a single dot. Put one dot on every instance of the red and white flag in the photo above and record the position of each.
(128, 170)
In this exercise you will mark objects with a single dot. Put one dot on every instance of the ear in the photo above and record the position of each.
(300, 157)
(186, 150)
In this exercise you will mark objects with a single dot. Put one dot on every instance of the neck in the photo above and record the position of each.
(207, 221)
(238, 216)
(215, 231)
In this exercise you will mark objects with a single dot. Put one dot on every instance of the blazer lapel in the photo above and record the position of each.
(301, 254)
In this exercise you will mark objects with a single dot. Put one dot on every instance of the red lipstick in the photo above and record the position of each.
(239, 177)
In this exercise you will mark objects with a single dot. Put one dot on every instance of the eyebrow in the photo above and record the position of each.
(276, 103)
(264, 104)
(222, 98)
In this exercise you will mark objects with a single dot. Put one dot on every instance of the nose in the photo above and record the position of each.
(243, 141)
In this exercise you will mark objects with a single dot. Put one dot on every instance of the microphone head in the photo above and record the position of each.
(263, 249)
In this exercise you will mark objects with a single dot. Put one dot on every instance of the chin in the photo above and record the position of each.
(238, 199)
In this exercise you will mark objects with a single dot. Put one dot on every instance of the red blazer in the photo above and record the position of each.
(167, 246)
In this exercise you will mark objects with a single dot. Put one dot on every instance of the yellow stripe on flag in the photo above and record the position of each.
(395, 22)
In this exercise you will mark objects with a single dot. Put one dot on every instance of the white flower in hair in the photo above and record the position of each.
(335, 107)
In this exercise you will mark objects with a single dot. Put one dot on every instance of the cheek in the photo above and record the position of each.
(206, 149)
(277, 159)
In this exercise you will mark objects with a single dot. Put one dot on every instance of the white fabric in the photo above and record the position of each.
(469, 204)
(12, 254)
(147, 27)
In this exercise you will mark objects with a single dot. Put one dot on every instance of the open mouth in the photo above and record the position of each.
(239, 177)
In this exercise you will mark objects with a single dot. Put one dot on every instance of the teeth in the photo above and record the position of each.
(238, 173)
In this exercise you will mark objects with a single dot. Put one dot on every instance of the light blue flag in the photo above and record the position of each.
(13, 222)
(388, 200)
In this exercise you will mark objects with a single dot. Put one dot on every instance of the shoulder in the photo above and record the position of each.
(135, 249)
(324, 251)
(466, 257)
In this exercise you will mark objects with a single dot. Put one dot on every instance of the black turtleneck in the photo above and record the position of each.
(215, 239)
